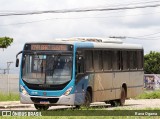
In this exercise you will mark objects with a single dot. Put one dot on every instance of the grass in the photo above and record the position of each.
(86, 117)
(150, 109)
(9, 97)
(149, 95)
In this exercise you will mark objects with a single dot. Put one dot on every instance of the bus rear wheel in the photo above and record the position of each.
(41, 107)
(123, 97)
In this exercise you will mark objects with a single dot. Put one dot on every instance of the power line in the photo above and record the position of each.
(149, 34)
(139, 38)
(153, 37)
(135, 3)
(107, 5)
(128, 4)
(99, 17)
(103, 17)
(79, 10)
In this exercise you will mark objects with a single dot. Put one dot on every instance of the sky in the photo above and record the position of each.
(142, 24)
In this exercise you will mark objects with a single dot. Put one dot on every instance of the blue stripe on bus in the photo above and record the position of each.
(83, 45)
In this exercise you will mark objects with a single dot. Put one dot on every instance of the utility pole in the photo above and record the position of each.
(8, 65)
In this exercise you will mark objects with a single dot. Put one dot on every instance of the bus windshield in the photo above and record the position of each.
(50, 69)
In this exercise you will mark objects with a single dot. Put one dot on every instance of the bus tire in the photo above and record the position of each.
(77, 106)
(123, 97)
(41, 107)
(113, 103)
(87, 100)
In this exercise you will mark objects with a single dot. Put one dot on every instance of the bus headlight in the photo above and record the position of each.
(68, 91)
(23, 90)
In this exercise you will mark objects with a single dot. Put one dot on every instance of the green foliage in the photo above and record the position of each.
(5, 42)
(152, 63)
(9, 97)
(149, 95)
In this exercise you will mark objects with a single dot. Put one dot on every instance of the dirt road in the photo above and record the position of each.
(140, 104)
(129, 105)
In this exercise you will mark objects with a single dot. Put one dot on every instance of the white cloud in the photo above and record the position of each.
(115, 23)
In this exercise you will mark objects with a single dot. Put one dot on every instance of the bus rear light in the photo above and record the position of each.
(68, 91)
(23, 90)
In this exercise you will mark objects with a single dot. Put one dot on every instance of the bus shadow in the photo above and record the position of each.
(132, 105)
(91, 107)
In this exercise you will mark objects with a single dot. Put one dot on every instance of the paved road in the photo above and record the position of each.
(130, 104)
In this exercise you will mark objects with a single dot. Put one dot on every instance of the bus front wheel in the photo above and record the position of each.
(113, 103)
(41, 107)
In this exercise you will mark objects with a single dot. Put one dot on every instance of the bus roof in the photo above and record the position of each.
(109, 43)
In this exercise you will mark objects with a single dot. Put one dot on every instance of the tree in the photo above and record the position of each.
(152, 63)
(5, 42)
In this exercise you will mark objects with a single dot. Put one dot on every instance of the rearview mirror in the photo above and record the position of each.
(17, 62)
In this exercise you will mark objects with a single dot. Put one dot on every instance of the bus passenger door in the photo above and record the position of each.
(81, 81)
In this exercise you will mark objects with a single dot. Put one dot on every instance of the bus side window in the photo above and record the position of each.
(89, 60)
(116, 60)
(133, 59)
(140, 59)
(97, 57)
(107, 60)
(125, 60)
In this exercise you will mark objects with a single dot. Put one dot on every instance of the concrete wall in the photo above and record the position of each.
(9, 83)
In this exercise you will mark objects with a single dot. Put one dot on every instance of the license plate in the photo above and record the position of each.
(44, 102)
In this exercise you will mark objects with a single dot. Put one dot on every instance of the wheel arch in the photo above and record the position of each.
(124, 85)
(89, 89)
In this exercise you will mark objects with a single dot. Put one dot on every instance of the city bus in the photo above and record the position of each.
(80, 71)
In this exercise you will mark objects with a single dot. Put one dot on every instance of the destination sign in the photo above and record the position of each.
(49, 47)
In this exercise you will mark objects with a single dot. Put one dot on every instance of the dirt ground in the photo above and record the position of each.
(140, 104)
(130, 104)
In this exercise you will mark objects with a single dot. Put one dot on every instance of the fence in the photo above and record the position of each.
(9, 83)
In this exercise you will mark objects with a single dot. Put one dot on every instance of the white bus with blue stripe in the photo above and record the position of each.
(80, 71)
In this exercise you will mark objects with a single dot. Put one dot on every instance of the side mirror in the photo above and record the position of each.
(17, 62)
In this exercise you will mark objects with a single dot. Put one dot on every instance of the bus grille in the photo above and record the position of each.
(51, 100)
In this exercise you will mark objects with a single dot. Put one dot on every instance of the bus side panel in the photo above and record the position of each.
(103, 87)
(120, 78)
(135, 85)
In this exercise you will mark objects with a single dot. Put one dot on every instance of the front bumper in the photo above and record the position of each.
(62, 100)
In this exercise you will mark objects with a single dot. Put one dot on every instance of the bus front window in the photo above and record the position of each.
(47, 69)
